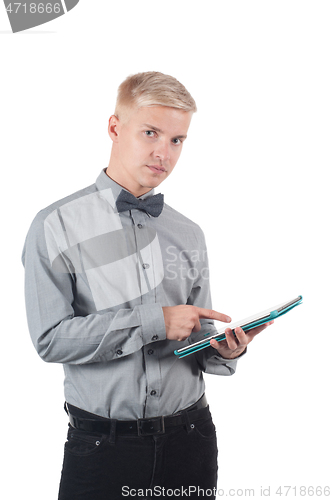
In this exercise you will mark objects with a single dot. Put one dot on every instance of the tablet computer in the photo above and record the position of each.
(246, 324)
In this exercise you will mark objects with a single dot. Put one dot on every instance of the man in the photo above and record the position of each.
(116, 280)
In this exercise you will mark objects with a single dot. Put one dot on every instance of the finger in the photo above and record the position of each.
(214, 344)
(197, 326)
(231, 340)
(255, 331)
(211, 314)
(241, 336)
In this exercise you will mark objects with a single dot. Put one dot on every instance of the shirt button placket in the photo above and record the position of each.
(153, 381)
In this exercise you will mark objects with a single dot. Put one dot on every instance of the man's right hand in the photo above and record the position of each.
(181, 321)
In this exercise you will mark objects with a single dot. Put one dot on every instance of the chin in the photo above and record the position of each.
(151, 183)
(156, 183)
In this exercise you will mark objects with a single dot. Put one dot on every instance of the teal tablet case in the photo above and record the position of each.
(185, 351)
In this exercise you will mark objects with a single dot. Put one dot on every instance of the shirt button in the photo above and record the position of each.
(155, 337)
(153, 393)
(146, 266)
(119, 352)
(139, 226)
(150, 351)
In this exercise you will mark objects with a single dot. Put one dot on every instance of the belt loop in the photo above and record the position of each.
(189, 426)
(112, 432)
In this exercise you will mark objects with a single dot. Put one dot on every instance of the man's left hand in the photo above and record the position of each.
(233, 346)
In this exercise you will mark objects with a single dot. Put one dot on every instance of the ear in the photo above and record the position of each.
(113, 128)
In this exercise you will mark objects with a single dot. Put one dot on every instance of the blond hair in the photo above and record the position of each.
(153, 89)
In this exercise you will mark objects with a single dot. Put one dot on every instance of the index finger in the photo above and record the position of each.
(211, 314)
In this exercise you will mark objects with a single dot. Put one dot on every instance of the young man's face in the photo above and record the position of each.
(146, 146)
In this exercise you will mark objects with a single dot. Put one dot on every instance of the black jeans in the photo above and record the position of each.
(182, 463)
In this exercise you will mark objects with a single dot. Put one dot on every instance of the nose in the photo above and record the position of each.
(162, 151)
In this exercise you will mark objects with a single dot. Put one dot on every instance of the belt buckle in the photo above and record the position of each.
(150, 426)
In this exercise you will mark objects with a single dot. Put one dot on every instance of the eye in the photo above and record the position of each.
(150, 133)
(176, 141)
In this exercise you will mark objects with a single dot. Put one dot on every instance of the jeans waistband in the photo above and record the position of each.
(142, 426)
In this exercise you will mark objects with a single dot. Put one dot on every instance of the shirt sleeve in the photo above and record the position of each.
(61, 336)
(208, 359)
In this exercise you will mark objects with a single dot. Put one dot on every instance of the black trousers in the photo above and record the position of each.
(182, 463)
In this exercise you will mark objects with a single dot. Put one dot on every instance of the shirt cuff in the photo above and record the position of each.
(152, 323)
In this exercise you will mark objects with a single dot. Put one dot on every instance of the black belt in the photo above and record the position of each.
(142, 426)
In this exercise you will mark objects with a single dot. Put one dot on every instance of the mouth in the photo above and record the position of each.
(157, 169)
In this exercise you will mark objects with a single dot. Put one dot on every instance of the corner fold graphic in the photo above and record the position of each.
(23, 16)
(70, 4)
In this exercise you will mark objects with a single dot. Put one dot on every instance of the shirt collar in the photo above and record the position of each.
(110, 189)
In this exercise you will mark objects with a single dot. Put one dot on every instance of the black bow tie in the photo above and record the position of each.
(153, 205)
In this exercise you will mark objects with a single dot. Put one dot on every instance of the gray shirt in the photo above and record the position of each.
(95, 284)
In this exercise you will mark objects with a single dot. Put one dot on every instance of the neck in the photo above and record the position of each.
(115, 172)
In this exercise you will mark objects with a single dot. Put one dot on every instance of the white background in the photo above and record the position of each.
(254, 173)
